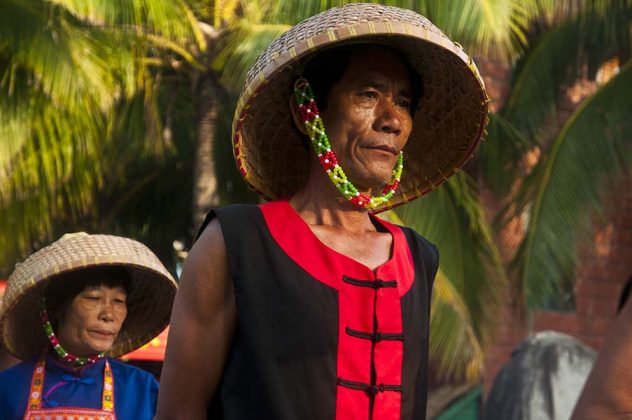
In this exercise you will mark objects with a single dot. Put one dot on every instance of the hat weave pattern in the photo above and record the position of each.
(149, 300)
(447, 126)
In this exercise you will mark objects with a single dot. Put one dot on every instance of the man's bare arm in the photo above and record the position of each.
(202, 326)
(608, 390)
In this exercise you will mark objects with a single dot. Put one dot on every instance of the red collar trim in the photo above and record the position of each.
(327, 265)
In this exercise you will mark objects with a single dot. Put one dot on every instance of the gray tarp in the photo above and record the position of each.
(542, 380)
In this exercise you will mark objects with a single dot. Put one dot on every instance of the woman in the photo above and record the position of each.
(68, 310)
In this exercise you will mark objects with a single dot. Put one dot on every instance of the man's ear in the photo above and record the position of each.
(296, 116)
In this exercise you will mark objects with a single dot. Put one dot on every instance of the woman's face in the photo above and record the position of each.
(92, 320)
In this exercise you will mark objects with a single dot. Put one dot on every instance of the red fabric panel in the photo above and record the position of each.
(355, 308)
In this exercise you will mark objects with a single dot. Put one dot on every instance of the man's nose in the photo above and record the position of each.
(387, 118)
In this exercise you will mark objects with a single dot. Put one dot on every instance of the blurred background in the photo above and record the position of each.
(115, 117)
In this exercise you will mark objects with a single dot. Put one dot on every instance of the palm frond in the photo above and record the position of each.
(241, 47)
(499, 152)
(452, 218)
(166, 17)
(593, 146)
(487, 27)
(454, 344)
(68, 85)
(559, 57)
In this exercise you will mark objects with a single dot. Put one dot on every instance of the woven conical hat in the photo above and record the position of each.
(447, 127)
(149, 300)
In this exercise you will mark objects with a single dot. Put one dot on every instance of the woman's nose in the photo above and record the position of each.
(107, 311)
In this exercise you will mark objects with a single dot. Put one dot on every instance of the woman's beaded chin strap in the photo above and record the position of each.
(316, 131)
(63, 354)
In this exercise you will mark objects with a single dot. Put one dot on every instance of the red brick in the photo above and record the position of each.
(583, 305)
(603, 289)
(604, 307)
(595, 327)
(563, 322)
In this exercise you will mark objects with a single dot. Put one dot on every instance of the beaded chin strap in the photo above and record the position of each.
(63, 354)
(316, 131)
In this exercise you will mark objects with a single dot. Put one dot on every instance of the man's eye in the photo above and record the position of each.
(120, 301)
(91, 297)
(403, 103)
(369, 94)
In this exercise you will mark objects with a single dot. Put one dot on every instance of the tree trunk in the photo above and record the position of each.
(205, 192)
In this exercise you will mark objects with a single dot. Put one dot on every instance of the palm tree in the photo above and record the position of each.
(74, 76)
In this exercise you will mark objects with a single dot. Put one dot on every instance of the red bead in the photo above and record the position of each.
(360, 200)
(308, 111)
(390, 187)
(328, 160)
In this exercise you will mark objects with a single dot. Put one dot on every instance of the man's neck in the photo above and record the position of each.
(320, 203)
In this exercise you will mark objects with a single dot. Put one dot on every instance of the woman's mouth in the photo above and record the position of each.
(102, 333)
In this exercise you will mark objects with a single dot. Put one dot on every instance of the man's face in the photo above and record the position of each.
(368, 118)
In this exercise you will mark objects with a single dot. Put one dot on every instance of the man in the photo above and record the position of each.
(310, 307)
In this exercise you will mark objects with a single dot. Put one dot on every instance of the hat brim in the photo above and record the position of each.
(447, 126)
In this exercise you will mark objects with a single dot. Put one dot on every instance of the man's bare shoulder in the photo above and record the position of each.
(208, 247)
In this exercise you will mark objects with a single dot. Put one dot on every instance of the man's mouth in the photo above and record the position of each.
(383, 147)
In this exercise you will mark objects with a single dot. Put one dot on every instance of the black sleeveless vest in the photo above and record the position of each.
(320, 336)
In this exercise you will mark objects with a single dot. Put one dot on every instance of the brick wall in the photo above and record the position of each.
(603, 269)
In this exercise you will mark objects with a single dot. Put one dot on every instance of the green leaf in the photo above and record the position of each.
(499, 152)
(557, 59)
(592, 148)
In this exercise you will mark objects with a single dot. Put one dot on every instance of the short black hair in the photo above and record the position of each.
(326, 68)
(61, 290)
